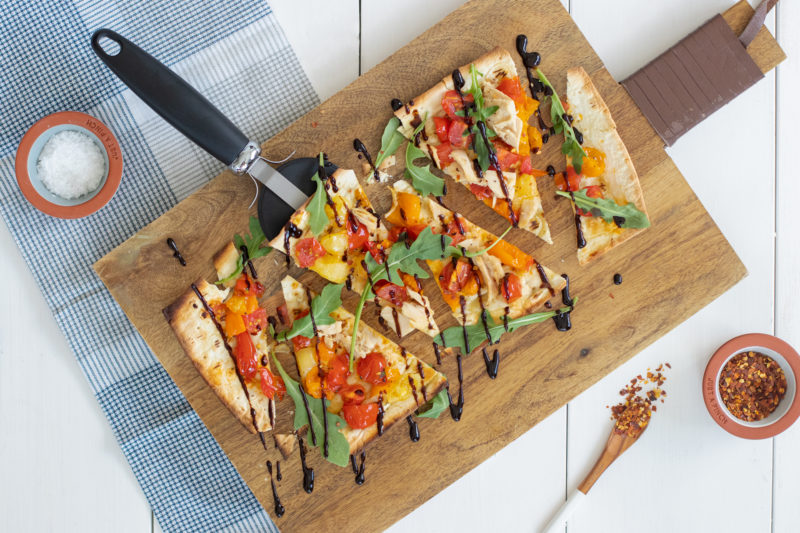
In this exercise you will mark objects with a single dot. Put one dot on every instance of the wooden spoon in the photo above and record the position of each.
(618, 442)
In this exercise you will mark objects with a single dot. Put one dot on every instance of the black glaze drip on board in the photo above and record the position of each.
(457, 409)
(413, 428)
(279, 508)
(359, 147)
(493, 364)
(358, 469)
(308, 473)
(396, 104)
(175, 252)
(562, 320)
(230, 352)
(618, 279)
(278, 474)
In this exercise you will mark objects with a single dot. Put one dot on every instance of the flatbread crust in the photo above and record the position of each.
(206, 347)
(593, 118)
(495, 65)
(369, 340)
(534, 291)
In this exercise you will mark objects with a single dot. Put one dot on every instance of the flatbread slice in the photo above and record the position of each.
(349, 212)
(407, 382)
(608, 166)
(504, 281)
(512, 192)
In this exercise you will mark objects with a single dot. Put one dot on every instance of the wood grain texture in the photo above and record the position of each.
(672, 270)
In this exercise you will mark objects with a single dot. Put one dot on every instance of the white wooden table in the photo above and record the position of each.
(686, 474)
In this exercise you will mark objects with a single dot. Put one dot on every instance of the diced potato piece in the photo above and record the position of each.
(334, 243)
(336, 404)
(305, 360)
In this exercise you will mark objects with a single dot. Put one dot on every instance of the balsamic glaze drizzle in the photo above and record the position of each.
(175, 252)
(578, 228)
(279, 508)
(413, 428)
(359, 147)
(381, 412)
(457, 409)
(290, 231)
(562, 320)
(247, 262)
(493, 364)
(308, 473)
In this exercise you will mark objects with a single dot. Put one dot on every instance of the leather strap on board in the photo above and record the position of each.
(700, 74)
(752, 28)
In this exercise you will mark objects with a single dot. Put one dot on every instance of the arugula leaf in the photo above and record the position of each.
(479, 113)
(422, 179)
(435, 406)
(318, 218)
(338, 447)
(428, 245)
(321, 308)
(628, 215)
(390, 142)
(476, 333)
(571, 146)
(253, 244)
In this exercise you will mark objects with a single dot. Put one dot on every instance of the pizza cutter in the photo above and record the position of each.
(181, 105)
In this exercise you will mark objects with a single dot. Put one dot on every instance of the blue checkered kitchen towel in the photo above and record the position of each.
(236, 54)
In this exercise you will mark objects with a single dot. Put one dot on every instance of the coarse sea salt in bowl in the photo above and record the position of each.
(69, 164)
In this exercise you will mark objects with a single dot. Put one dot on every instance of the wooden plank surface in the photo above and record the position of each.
(534, 380)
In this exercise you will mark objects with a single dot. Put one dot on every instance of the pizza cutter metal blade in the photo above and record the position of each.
(192, 114)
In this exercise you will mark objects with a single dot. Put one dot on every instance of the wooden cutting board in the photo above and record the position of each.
(670, 271)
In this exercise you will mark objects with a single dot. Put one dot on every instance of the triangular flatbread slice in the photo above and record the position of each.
(504, 281)
(349, 211)
(511, 191)
(608, 168)
(386, 378)
(211, 337)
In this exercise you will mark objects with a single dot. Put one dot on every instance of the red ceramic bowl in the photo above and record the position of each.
(788, 409)
(28, 154)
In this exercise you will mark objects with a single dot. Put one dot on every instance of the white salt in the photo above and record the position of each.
(71, 164)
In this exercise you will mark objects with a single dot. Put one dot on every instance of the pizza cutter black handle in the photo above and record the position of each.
(171, 97)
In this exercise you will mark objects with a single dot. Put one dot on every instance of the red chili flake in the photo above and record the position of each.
(611, 295)
(314, 124)
(751, 386)
(633, 414)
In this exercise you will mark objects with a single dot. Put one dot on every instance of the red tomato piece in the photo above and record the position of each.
(376, 251)
(525, 167)
(594, 191)
(441, 124)
(245, 354)
(308, 250)
(272, 384)
(357, 233)
(360, 416)
(451, 102)
(506, 158)
(453, 229)
(481, 192)
(511, 287)
(455, 275)
(245, 286)
(511, 88)
(390, 292)
(353, 394)
(560, 182)
(456, 133)
(372, 368)
(256, 321)
(573, 179)
(338, 370)
(298, 341)
(443, 153)
(414, 231)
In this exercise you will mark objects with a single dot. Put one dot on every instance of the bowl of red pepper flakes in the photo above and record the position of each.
(750, 386)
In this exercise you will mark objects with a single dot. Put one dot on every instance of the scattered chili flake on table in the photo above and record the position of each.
(633, 413)
(751, 386)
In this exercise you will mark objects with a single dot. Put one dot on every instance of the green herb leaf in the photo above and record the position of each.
(428, 245)
(253, 244)
(422, 179)
(318, 218)
(571, 146)
(454, 250)
(476, 333)
(435, 406)
(390, 142)
(479, 113)
(628, 215)
(321, 308)
(338, 447)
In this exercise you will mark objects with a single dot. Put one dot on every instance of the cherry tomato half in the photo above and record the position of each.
(272, 384)
(441, 124)
(357, 233)
(372, 368)
(455, 134)
(308, 250)
(353, 394)
(390, 292)
(443, 153)
(337, 373)
(451, 102)
(256, 321)
(511, 287)
(360, 416)
(245, 354)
